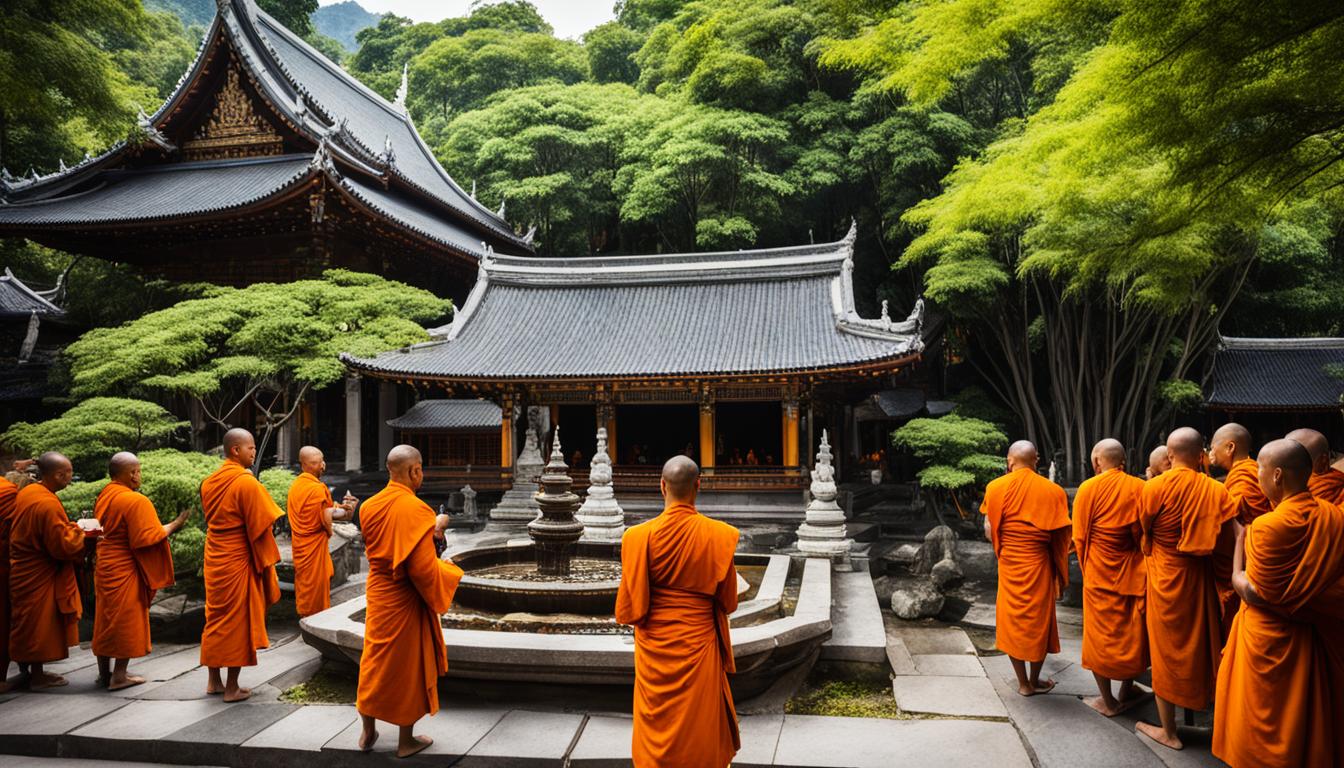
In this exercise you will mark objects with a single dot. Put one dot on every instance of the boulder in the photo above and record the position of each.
(939, 544)
(946, 574)
(916, 599)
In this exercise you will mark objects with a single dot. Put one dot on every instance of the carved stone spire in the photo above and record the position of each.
(399, 101)
(823, 530)
(500, 212)
(556, 533)
(602, 518)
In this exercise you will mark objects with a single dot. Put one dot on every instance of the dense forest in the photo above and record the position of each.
(1090, 191)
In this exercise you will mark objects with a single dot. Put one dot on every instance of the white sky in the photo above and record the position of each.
(571, 18)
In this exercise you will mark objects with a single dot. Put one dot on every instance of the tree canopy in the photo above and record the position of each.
(90, 432)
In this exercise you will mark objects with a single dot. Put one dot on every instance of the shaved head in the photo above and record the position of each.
(312, 461)
(54, 470)
(1185, 446)
(1108, 454)
(240, 446)
(1285, 468)
(405, 466)
(1231, 443)
(681, 479)
(1158, 461)
(121, 464)
(1317, 447)
(1022, 455)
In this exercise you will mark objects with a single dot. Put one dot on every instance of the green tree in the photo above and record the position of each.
(458, 73)
(266, 345)
(90, 432)
(611, 50)
(959, 455)
(294, 14)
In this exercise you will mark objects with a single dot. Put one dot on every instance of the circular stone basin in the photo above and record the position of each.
(504, 579)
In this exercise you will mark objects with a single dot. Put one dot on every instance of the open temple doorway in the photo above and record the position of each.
(578, 433)
(748, 434)
(651, 434)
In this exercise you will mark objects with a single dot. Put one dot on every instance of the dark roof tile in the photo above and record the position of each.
(1276, 374)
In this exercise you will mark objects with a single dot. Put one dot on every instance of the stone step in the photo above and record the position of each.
(857, 629)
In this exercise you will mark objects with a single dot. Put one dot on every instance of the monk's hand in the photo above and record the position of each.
(22, 465)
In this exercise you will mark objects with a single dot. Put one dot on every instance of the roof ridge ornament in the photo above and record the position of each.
(322, 159)
(473, 189)
(148, 133)
(300, 108)
(531, 233)
(399, 101)
(389, 155)
(500, 212)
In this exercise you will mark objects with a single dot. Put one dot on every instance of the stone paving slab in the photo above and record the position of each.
(135, 732)
(948, 664)
(945, 695)
(30, 723)
(305, 729)
(271, 663)
(898, 656)
(526, 738)
(605, 742)
(166, 666)
(807, 741)
(454, 731)
(936, 640)
(857, 630)
(78, 659)
(18, 761)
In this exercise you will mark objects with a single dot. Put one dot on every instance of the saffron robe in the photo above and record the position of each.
(1182, 514)
(240, 558)
(1327, 486)
(310, 533)
(1243, 482)
(409, 587)
(134, 560)
(1106, 536)
(1280, 692)
(8, 496)
(45, 548)
(678, 585)
(1030, 531)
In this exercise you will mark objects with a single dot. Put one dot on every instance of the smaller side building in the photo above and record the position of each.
(1272, 386)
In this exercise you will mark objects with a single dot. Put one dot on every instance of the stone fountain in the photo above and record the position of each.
(556, 533)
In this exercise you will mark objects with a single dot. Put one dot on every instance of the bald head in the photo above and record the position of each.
(1022, 455)
(54, 470)
(1317, 447)
(405, 466)
(1107, 454)
(240, 446)
(681, 479)
(124, 468)
(1158, 461)
(1231, 443)
(312, 461)
(1185, 446)
(1285, 468)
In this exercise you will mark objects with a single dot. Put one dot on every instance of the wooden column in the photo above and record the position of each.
(707, 432)
(790, 427)
(506, 437)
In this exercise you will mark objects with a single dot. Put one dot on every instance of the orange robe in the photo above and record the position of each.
(409, 588)
(8, 495)
(1182, 514)
(1280, 692)
(45, 548)
(1328, 486)
(678, 585)
(240, 558)
(308, 498)
(1030, 530)
(134, 560)
(1243, 482)
(1106, 536)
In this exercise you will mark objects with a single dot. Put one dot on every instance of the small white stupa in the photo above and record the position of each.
(603, 519)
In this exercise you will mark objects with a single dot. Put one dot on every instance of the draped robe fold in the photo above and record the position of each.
(310, 533)
(678, 585)
(409, 587)
(8, 496)
(1182, 514)
(1030, 532)
(240, 558)
(45, 549)
(1281, 682)
(134, 560)
(1106, 536)
(1328, 486)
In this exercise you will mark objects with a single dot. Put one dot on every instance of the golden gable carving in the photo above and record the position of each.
(234, 128)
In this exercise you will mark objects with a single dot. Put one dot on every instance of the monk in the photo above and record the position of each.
(1281, 681)
(409, 587)
(311, 514)
(1106, 536)
(1158, 462)
(240, 558)
(45, 549)
(1230, 449)
(133, 561)
(678, 585)
(1326, 483)
(8, 495)
(1027, 521)
(1183, 512)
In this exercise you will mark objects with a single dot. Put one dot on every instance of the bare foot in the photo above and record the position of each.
(417, 744)
(117, 685)
(103, 681)
(367, 739)
(242, 694)
(46, 680)
(1156, 733)
(1041, 687)
(1099, 704)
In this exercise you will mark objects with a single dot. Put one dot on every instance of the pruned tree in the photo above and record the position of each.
(93, 430)
(959, 454)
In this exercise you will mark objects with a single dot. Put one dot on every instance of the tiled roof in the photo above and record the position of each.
(774, 310)
(1276, 374)
(18, 300)
(449, 414)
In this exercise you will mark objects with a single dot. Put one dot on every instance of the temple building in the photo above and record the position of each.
(1272, 386)
(267, 163)
(737, 359)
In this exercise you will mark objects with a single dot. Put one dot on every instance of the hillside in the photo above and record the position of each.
(342, 21)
